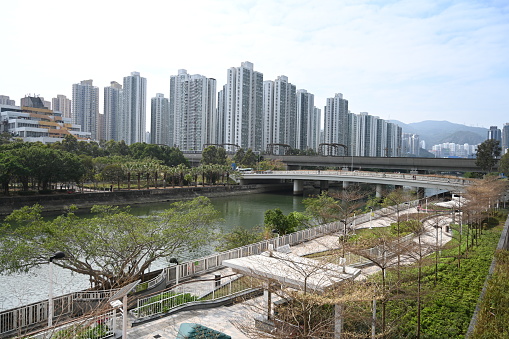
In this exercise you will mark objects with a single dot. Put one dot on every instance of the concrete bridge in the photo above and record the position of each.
(404, 164)
(377, 178)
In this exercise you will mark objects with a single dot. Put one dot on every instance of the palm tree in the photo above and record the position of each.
(181, 172)
(128, 168)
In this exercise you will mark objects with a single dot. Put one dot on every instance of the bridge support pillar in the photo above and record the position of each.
(378, 190)
(298, 187)
(345, 184)
(324, 185)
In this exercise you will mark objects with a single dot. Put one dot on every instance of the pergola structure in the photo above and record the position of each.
(296, 272)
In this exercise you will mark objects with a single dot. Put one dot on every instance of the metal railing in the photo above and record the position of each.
(215, 261)
(185, 294)
(35, 314)
(98, 327)
(152, 282)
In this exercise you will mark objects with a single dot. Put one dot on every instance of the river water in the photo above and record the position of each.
(241, 210)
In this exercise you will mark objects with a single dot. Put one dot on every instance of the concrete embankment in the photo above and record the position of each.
(84, 201)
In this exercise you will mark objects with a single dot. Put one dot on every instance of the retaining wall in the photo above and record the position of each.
(61, 202)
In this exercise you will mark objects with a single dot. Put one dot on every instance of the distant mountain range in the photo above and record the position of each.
(438, 132)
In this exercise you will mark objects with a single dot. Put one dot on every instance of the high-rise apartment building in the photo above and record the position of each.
(63, 105)
(159, 120)
(221, 116)
(308, 121)
(358, 134)
(505, 138)
(132, 120)
(193, 114)
(495, 133)
(85, 107)
(279, 114)
(112, 111)
(5, 100)
(411, 144)
(243, 118)
(336, 126)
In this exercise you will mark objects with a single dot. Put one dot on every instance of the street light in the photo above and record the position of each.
(57, 255)
(370, 217)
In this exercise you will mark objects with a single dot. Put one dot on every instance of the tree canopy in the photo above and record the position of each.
(503, 165)
(213, 155)
(113, 247)
(487, 154)
(283, 224)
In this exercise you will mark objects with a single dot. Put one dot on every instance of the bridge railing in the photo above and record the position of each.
(404, 176)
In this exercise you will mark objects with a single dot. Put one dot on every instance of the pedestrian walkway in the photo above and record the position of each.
(224, 318)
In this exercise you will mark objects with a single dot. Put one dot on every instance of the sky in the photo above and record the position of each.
(406, 60)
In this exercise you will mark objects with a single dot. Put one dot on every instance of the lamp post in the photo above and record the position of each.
(370, 217)
(57, 255)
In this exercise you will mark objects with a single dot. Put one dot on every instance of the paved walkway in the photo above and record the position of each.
(223, 318)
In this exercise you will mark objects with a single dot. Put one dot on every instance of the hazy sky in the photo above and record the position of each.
(409, 60)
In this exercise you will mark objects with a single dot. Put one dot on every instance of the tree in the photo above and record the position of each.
(213, 155)
(394, 204)
(283, 224)
(238, 237)
(503, 165)
(239, 156)
(112, 248)
(321, 208)
(487, 154)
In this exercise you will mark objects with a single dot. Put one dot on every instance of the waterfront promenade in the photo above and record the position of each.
(226, 318)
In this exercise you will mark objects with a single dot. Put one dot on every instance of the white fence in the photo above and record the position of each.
(99, 327)
(14, 320)
(185, 294)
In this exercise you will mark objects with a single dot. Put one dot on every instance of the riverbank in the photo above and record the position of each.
(56, 203)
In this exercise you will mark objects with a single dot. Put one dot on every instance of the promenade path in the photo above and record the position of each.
(224, 318)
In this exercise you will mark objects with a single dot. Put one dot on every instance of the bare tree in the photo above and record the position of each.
(341, 206)
(395, 202)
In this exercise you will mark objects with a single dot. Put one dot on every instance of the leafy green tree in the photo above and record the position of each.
(503, 165)
(239, 237)
(112, 147)
(113, 248)
(281, 224)
(170, 156)
(250, 159)
(321, 208)
(10, 165)
(213, 155)
(487, 154)
(68, 144)
(239, 156)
